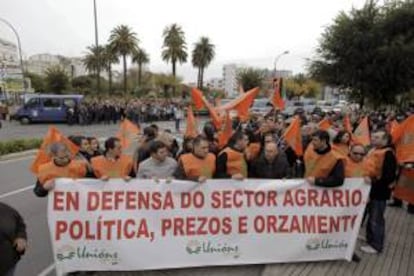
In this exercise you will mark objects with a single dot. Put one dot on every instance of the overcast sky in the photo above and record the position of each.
(247, 32)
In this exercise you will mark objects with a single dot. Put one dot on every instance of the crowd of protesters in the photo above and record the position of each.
(256, 149)
(111, 111)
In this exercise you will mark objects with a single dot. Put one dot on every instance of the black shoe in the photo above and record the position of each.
(410, 209)
(397, 204)
(356, 258)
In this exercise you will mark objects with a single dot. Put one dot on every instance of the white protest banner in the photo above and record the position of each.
(141, 225)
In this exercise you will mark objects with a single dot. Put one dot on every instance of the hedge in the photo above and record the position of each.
(18, 145)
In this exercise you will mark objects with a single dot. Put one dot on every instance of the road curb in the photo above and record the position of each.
(18, 155)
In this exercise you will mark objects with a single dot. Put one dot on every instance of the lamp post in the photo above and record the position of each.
(98, 81)
(277, 59)
(19, 45)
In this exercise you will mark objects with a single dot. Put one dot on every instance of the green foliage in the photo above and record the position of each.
(57, 81)
(38, 82)
(140, 57)
(174, 46)
(369, 52)
(301, 86)
(250, 78)
(13, 146)
(202, 55)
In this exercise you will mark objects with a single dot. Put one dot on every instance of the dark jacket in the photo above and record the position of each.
(12, 226)
(380, 189)
(277, 169)
(337, 175)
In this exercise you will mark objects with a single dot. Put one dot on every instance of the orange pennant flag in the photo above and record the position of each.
(127, 132)
(225, 134)
(200, 101)
(293, 136)
(242, 103)
(347, 124)
(277, 100)
(191, 130)
(53, 135)
(395, 130)
(325, 124)
(405, 142)
(361, 133)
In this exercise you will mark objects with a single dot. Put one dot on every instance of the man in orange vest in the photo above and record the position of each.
(60, 166)
(231, 162)
(113, 164)
(384, 175)
(356, 165)
(404, 190)
(323, 166)
(199, 165)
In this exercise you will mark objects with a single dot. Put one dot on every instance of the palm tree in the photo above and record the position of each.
(203, 54)
(109, 58)
(93, 62)
(124, 42)
(174, 47)
(140, 57)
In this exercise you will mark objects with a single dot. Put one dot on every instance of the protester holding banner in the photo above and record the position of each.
(199, 165)
(323, 166)
(355, 163)
(272, 164)
(382, 155)
(60, 166)
(13, 239)
(113, 164)
(342, 142)
(231, 162)
(159, 165)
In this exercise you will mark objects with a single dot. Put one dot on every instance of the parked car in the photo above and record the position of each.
(46, 108)
(261, 107)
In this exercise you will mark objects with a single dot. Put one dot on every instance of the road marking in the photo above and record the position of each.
(47, 270)
(16, 192)
(16, 159)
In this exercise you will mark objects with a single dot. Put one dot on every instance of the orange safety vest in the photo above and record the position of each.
(318, 165)
(252, 151)
(236, 162)
(404, 189)
(376, 158)
(49, 170)
(341, 149)
(196, 167)
(113, 168)
(360, 169)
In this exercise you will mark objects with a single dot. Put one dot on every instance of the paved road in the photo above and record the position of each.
(13, 130)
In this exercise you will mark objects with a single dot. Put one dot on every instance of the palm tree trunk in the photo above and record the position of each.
(98, 80)
(139, 74)
(125, 72)
(110, 78)
(198, 78)
(173, 71)
(201, 77)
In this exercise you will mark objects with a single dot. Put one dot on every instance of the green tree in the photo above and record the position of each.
(93, 61)
(140, 57)
(250, 78)
(124, 42)
(202, 55)
(109, 57)
(37, 81)
(301, 86)
(83, 84)
(57, 81)
(174, 46)
(369, 52)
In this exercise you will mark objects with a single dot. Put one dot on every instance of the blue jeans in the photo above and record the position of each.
(177, 124)
(376, 224)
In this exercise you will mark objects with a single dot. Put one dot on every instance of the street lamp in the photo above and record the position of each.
(19, 45)
(277, 59)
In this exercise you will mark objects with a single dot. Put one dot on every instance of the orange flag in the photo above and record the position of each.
(200, 101)
(293, 136)
(361, 134)
(127, 132)
(325, 124)
(191, 130)
(405, 142)
(53, 135)
(347, 124)
(395, 130)
(225, 134)
(242, 103)
(277, 100)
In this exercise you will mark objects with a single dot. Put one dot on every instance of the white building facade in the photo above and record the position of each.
(231, 87)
